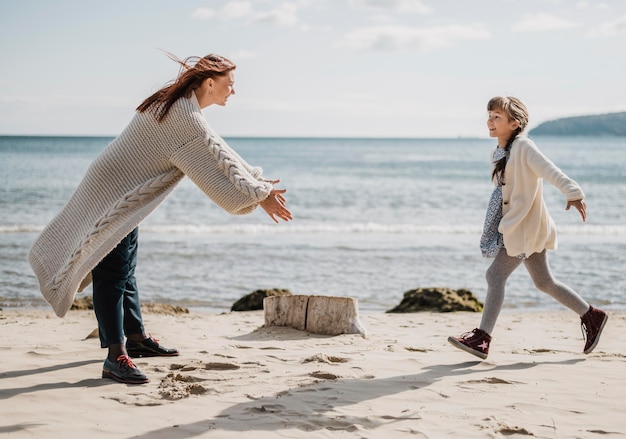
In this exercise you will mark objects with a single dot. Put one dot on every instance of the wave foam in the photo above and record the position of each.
(337, 228)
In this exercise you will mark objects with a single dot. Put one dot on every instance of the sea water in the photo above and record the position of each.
(373, 218)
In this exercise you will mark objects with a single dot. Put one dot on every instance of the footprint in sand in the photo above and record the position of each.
(266, 408)
(176, 386)
(492, 380)
(323, 358)
(221, 366)
(205, 366)
(324, 375)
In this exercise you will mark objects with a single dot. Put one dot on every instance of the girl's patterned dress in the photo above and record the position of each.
(491, 240)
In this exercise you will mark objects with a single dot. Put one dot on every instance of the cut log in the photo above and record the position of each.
(286, 311)
(325, 315)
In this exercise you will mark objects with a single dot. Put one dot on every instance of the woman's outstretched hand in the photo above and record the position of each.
(274, 205)
(580, 206)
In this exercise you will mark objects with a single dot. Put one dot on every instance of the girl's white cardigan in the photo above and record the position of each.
(126, 182)
(526, 225)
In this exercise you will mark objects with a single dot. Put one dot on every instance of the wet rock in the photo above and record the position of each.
(84, 303)
(254, 300)
(163, 308)
(438, 300)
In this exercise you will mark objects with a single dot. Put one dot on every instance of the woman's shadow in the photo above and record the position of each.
(310, 408)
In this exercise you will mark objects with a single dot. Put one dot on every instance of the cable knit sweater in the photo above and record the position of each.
(526, 225)
(126, 182)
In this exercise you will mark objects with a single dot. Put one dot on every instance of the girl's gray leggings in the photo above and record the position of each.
(539, 270)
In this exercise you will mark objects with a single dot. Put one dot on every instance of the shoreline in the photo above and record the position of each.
(507, 308)
(235, 377)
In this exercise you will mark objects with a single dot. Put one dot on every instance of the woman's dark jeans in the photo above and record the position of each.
(115, 295)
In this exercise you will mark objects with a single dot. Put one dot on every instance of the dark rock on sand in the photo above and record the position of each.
(438, 300)
(254, 300)
(83, 303)
(163, 308)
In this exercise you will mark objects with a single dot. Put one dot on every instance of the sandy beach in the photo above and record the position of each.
(235, 379)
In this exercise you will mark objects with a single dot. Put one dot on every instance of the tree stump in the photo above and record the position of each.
(286, 311)
(324, 315)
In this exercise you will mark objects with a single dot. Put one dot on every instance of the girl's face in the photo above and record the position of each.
(216, 90)
(501, 126)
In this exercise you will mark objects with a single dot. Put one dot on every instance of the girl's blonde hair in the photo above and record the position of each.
(515, 110)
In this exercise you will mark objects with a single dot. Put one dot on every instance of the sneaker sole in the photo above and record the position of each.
(107, 374)
(457, 344)
(595, 343)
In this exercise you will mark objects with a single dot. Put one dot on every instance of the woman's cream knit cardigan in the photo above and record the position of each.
(526, 225)
(126, 182)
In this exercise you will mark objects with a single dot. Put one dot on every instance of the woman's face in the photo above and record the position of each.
(501, 126)
(216, 90)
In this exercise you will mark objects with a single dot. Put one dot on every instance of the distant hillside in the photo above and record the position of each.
(611, 124)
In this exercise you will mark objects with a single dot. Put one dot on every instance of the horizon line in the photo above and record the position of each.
(304, 137)
(101, 136)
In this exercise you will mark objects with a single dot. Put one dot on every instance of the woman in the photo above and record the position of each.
(518, 228)
(95, 234)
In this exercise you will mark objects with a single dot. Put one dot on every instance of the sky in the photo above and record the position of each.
(321, 68)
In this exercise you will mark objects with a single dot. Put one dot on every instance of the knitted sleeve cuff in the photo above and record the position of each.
(238, 174)
(220, 175)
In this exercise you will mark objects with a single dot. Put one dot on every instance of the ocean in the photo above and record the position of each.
(373, 218)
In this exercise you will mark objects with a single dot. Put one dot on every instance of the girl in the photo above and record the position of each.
(94, 237)
(518, 228)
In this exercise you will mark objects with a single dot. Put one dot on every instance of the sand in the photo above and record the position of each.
(236, 379)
